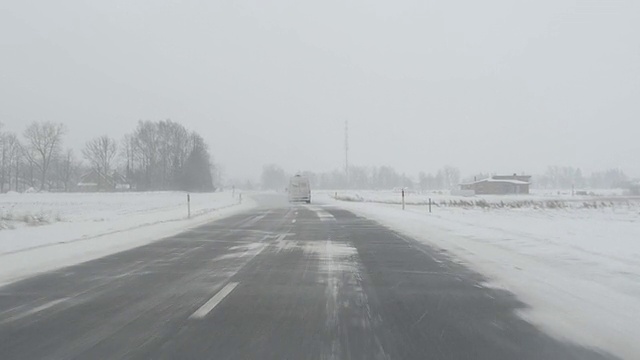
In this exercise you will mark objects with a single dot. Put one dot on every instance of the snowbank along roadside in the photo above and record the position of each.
(577, 268)
(90, 226)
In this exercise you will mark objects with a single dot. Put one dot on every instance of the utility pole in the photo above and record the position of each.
(346, 150)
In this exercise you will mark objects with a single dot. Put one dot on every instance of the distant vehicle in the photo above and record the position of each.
(299, 189)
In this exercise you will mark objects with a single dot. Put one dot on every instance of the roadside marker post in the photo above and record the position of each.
(402, 199)
(240, 198)
(189, 206)
(429, 205)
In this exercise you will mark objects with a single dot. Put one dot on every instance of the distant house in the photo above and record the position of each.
(499, 185)
(94, 181)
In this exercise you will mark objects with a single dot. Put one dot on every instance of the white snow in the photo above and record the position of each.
(577, 267)
(505, 181)
(537, 198)
(45, 231)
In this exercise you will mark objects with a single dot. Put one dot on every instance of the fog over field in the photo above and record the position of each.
(487, 87)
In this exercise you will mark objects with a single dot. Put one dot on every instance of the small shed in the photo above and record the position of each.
(499, 185)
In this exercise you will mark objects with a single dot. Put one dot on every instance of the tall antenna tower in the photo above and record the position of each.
(346, 150)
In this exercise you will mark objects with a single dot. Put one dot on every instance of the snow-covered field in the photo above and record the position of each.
(43, 231)
(576, 266)
(537, 199)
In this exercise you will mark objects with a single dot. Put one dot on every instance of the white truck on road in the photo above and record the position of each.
(299, 189)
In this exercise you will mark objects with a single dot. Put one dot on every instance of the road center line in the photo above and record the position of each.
(225, 291)
(322, 213)
(325, 215)
(254, 220)
(214, 301)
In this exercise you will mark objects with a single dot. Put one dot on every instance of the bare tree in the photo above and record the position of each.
(43, 142)
(145, 147)
(27, 172)
(196, 173)
(68, 169)
(127, 156)
(3, 160)
(159, 155)
(100, 152)
(10, 158)
(273, 177)
(450, 176)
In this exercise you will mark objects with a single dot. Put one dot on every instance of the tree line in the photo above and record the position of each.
(566, 177)
(157, 155)
(274, 177)
(363, 177)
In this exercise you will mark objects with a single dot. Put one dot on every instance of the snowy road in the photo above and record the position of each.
(276, 282)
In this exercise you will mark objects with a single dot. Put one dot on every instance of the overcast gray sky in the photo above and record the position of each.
(491, 86)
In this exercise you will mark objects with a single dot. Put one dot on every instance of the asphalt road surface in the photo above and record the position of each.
(279, 282)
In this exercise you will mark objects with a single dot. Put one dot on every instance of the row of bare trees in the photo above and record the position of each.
(566, 177)
(360, 177)
(164, 155)
(36, 160)
(446, 178)
(161, 155)
(386, 177)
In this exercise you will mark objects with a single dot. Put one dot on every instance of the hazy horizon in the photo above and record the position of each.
(491, 87)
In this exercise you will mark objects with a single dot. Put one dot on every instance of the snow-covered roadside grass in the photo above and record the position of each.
(10, 220)
(577, 268)
(81, 227)
(38, 216)
(537, 200)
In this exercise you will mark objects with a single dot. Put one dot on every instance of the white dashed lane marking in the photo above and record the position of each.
(214, 301)
(323, 214)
